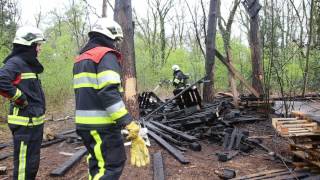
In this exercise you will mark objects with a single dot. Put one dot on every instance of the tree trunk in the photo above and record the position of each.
(257, 72)
(104, 8)
(232, 81)
(306, 69)
(123, 15)
(208, 88)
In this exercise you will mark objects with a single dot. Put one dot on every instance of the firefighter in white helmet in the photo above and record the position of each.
(179, 78)
(19, 82)
(100, 110)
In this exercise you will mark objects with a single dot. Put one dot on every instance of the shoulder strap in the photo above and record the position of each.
(96, 54)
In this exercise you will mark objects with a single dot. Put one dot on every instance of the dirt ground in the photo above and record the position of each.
(202, 166)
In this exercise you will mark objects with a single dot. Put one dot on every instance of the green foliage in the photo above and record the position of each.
(191, 61)
(57, 57)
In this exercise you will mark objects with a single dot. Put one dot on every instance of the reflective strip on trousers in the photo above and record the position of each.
(98, 154)
(17, 95)
(28, 76)
(25, 121)
(99, 117)
(22, 161)
(96, 81)
(15, 111)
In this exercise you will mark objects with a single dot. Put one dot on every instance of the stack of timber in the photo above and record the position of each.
(288, 127)
(304, 133)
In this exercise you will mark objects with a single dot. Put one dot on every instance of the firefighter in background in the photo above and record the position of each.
(179, 79)
(100, 110)
(191, 97)
(19, 82)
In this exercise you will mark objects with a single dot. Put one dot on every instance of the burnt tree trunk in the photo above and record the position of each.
(208, 88)
(255, 46)
(123, 15)
(253, 7)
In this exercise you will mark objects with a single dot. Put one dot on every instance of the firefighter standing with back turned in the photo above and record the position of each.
(19, 82)
(100, 110)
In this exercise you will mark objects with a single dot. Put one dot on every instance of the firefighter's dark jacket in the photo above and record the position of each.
(97, 85)
(179, 79)
(19, 81)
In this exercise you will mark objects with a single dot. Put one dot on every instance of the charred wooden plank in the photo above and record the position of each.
(158, 167)
(49, 143)
(162, 134)
(176, 153)
(175, 132)
(60, 171)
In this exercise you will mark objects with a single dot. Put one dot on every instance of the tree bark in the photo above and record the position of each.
(208, 88)
(306, 69)
(123, 15)
(255, 46)
(226, 33)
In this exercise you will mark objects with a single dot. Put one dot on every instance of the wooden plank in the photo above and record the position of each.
(299, 125)
(60, 171)
(293, 175)
(176, 132)
(271, 176)
(275, 120)
(260, 174)
(301, 154)
(158, 167)
(173, 151)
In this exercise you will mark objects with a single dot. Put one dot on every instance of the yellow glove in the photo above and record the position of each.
(139, 151)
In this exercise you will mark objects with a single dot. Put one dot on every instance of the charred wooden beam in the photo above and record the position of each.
(175, 132)
(60, 171)
(176, 153)
(49, 143)
(158, 167)
(162, 134)
(148, 116)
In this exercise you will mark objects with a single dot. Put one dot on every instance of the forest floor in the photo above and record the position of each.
(202, 166)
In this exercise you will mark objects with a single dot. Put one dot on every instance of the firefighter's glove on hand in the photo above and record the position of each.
(21, 102)
(139, 151)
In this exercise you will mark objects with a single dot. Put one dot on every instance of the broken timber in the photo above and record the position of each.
(175, 132)
(176, 153)
(173, 98)
(158, 167)
(60, 171)
(235, 73)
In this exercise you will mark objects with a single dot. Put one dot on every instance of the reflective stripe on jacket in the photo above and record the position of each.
(97, 85)
(17, 78)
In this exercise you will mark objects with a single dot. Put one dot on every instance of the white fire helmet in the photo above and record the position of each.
(27, 35)
(175, 68)
(109, 28)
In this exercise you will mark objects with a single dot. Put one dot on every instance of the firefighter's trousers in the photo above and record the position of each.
(106, 153)
(27, 143)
